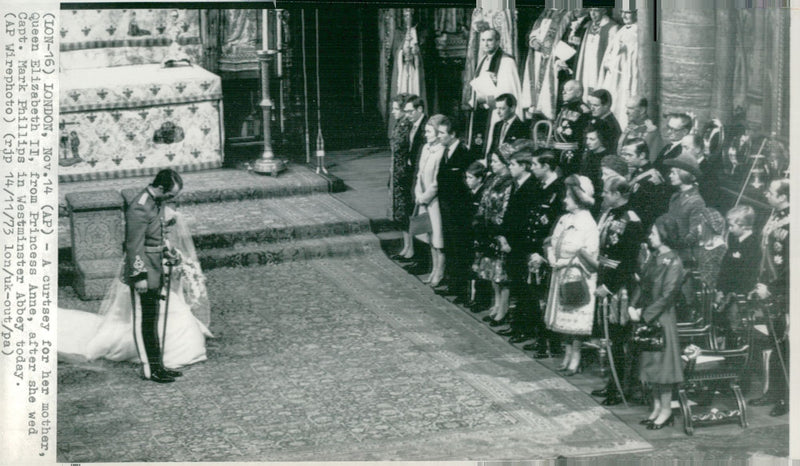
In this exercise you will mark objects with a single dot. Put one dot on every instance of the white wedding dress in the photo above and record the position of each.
(86, 336)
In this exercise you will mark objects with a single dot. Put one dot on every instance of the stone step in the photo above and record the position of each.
(210, 186)
(250, 254)
(286, 219)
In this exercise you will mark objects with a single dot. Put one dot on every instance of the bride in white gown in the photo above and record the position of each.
(86, 336)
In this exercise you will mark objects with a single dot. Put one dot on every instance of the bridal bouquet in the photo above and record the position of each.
(192, 280)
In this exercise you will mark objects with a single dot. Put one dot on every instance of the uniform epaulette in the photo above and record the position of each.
(143, 198)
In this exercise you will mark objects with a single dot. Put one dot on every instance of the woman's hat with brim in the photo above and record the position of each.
(615, 163)
(685, 162)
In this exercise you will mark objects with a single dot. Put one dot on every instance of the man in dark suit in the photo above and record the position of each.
(509, 127)
(650, 193)
(516, 242)
(415, 111)
(454, 204)
(708, 184)
(145, 251)
(678, 126)
(599, 102)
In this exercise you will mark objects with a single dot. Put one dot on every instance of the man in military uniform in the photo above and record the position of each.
(640, 127)
(621, 234)
(773, 285)
(649, 196)
(544, 215)
(145, 251)
(571, 122)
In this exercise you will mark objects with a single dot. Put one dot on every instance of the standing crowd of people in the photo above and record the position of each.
(541, 235)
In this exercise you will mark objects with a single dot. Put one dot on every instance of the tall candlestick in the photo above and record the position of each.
(264, 29)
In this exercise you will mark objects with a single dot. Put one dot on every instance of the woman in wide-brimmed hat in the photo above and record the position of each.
(686, 205)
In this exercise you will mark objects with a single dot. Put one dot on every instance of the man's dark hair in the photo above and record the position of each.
(509, 99)
(448, 123)
(166, 179)
(639, 146)
(416, 101)
(603, 95)
(523, 158)
(546, 157)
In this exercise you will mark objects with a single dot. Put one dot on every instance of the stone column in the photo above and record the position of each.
(687, 40)
(97, 231)
(722, 97)
(648, 63)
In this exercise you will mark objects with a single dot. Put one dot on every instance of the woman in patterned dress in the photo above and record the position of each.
(574, 242)
(489, 259)
(402, 176)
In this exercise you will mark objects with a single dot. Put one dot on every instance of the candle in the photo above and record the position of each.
(264, 29)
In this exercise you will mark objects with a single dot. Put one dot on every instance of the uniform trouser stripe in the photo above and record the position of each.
(162, 327)
(137, 332)
(146, 330)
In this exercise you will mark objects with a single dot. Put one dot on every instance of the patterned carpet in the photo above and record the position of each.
(334, 359)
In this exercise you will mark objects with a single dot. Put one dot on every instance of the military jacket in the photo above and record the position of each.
(621, 234)
(774, 269)
(649, 194)
(144, 240)
(571, 122)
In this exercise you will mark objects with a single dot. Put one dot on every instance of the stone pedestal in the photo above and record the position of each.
(97, 232)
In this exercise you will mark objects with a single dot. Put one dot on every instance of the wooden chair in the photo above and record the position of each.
(710, 371)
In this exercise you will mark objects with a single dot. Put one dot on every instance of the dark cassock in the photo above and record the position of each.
(482, 116)
(649, 194)
(540, 82)
(456, 211)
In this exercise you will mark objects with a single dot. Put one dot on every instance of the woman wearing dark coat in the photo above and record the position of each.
(654, 300)
(402, 176)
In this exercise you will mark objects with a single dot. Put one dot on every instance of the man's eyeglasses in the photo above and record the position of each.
(673, 129)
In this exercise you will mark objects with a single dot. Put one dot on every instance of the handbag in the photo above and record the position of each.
(419, 224)
(573, 290)
(648, 337)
